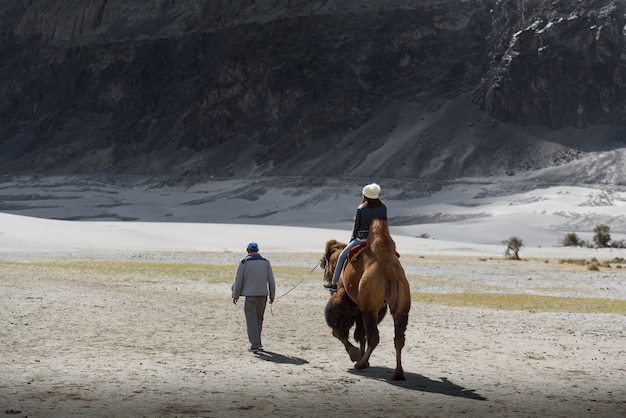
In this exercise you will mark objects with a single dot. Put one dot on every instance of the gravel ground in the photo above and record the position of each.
(94, 343)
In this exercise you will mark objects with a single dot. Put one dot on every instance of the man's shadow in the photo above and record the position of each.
(420, 383)
(279, 358)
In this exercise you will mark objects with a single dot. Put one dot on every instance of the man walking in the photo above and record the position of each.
(254, 280)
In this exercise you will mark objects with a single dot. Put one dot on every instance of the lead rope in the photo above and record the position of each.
(296, 285)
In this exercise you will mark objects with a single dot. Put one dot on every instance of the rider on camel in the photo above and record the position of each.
(370, 208)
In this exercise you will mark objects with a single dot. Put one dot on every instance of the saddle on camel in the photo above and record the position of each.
(370, 283)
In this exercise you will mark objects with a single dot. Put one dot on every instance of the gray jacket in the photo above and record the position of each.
(254, 277)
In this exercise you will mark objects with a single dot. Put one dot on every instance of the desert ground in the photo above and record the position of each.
(102, 318)
(135, 333)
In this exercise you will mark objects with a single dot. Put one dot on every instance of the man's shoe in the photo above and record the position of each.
(260, 348)
(331, 287)
(253, 350)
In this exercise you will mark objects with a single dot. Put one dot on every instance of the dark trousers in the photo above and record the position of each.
(254, 309)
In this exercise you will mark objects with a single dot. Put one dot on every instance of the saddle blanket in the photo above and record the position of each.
(356, 250)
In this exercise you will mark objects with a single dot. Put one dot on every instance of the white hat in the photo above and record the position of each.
(371, 191)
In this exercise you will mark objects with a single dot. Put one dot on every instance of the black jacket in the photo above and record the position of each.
(365, 214)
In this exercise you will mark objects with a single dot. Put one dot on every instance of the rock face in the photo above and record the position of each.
(397, 88)
(565, 66)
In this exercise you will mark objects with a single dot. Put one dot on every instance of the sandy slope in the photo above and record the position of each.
(475, 211)
(87, 342)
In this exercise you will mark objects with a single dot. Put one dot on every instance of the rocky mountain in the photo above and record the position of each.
(430, 89)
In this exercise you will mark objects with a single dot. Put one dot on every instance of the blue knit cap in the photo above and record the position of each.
(253, 246)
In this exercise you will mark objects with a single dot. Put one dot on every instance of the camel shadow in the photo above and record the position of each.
(420, 383)
(279, 358)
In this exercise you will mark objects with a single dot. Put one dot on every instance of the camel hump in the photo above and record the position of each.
(379, 225)
(380, 239)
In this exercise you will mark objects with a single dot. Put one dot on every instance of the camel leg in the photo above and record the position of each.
(400, 322)
(359, 335)
(340, 315)
(353, 352)
(372, 336)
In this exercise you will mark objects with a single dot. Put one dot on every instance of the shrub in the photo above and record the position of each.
(618, 244)
(571, 240)
(513, 244)
(602, 235)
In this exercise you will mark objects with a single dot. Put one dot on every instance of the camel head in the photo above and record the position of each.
(329, 259)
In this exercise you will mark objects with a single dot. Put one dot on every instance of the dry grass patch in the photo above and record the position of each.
(524, 302)
(210, 273)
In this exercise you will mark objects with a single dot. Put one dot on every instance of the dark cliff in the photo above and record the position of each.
(565, 65)
(421, 89)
